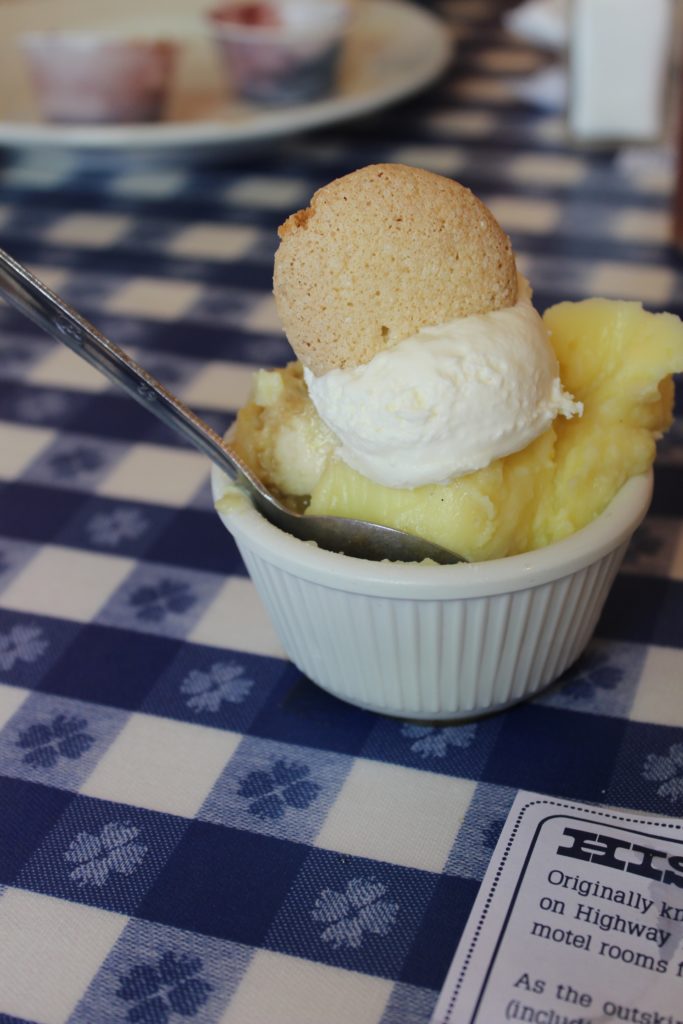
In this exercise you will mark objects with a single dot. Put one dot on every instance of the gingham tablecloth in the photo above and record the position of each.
(189, 829)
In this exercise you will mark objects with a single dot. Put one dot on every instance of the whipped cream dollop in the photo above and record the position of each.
(446, 401)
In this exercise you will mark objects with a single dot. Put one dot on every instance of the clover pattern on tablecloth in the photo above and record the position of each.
(108, 529)
(667, 769)
(46, 743)
(169, 985)
(116, 849)
(35, 408)
(72, 463)
(284, 785)
(154, 602)
(361, 909)
(433, 741)
(22, 643)
(206, 691)
(595, 672)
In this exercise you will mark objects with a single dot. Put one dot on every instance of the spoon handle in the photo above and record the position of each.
(33, 298)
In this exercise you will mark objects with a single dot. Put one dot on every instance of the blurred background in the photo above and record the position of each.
(475, 89)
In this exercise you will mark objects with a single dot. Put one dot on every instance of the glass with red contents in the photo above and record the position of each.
(280, 52)
(100, 76)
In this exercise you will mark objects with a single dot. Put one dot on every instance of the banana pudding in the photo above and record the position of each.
(428, 394)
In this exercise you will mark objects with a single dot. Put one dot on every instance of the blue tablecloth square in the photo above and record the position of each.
(30, 644)
(87, 289)
(113, 526)
(173, 371)
(50, 407)
(161, 600)
(478, 834)
(301, 713)
(564, 753)
(131, 332)
(36, 512)
(643, 609)
(667, 496)
(14, 555)
(203, 501)
(28, 813)
(602, 682)
(119, 666)
(277, 789)
(432, 951)
(409, 1004)
(102, 854)
(117, 417)
(228, 305)
(74, 461)
(197, 539)
(352, 912)
(223, 882)
(154, 973)
(648, 768)
(653, 547)
(460, 749)
(30, 221)
(57, 740)
(257, 349)
(221, 689)
(149, 233)
(21, 346)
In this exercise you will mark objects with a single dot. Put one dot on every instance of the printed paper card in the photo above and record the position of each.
(578, 919)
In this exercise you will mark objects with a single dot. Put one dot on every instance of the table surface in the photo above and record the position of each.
(189, 829)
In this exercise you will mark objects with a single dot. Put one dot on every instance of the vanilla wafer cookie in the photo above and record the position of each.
(379, 254)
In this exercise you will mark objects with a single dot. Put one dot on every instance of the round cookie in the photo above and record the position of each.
(379, 254)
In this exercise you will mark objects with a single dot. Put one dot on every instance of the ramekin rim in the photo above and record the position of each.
(609, 530)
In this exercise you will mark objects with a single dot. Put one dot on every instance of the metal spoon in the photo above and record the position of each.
(334, 533)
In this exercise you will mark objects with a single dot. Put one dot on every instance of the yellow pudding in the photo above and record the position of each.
(615, 358)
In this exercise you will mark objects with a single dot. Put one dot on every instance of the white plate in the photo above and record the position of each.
(394, 49)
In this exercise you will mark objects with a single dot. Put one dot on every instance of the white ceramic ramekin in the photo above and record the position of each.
(100, 76)
(291, 57)
(436, 642)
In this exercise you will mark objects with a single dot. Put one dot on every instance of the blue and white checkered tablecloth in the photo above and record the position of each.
(189, 829)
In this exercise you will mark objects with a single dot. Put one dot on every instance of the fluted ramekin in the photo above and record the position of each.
(436, 642)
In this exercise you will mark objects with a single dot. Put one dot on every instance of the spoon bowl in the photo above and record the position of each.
(353, 537)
